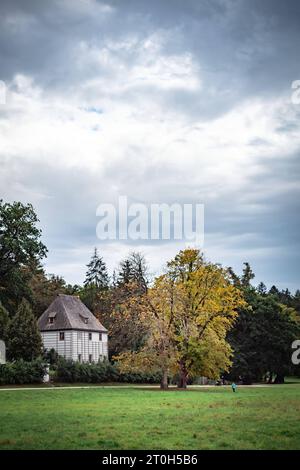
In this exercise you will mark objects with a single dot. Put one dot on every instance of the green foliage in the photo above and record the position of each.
(133, 270)
(20, 250)
(101, 372)
(96, 275)
(262, 338)
(22, 372)
(23, 337)
(206, 311)
(4, 319)
(44, 289)
(51, 357)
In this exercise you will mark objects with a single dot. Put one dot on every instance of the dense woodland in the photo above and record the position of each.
(196, 319)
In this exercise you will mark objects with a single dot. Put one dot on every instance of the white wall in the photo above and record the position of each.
(77, 343)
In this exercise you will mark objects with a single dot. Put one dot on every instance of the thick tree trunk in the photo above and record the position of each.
(183, 376)
(164, 380)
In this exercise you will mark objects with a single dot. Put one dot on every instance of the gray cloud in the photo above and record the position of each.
(158, 101)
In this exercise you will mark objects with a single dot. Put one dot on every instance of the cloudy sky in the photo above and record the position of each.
(163, 101)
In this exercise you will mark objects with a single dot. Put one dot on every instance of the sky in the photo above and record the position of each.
(162, 102)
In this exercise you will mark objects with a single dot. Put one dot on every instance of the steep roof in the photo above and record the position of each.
(68, 312)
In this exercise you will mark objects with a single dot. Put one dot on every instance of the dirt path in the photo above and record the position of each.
(142, 386)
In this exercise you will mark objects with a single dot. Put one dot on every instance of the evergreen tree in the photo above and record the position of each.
(125, 273)
(96, 275)
(296, 301)
(247, 276)
(139, 270)
(23, 337)
(262, 338)
(4, 319)
(274, 291)
(261, 288)
(133, 270)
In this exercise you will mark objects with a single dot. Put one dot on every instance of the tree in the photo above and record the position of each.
(207, 310)
(125, 274)
(96, 275)
(20, 250)
(134, 269)
(262, 336)
(188, 312)
(139, 270)
(274, 291)
(122, 317)
(157, 352)
(44, 289)
(4, 319)
(247, 275)
(23, 338)
(96, 283)
(261, 288)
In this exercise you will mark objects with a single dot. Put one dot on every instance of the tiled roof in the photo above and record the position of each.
(68, 312)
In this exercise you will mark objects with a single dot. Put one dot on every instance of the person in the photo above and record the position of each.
(233, 386)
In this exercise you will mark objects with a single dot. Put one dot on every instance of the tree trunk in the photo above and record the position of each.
(183, 376)
(164, 380)
(270, 381)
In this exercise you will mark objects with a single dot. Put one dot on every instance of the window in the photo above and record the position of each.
(79, 357)
(90, 358)
(51, 317)
(79, 335)
(90, 336)
(61, 336)
(100, 336)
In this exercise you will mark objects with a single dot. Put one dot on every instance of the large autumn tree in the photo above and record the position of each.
(206, 311)
(154, 319)
(189, 311)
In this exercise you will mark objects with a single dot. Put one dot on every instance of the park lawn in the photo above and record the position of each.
(116, 418)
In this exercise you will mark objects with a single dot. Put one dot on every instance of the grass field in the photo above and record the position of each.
(116, 418)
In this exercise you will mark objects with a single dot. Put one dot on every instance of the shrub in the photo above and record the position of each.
(101, 372)
(22, 372)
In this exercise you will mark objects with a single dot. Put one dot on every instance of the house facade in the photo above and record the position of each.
(68, 327)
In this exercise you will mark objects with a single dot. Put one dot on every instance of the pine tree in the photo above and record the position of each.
(274, 291)
(96, 275)
(134, 269)
(4, 319)
(125, 274)
(261, 288)
(247, 276)
(23, 338)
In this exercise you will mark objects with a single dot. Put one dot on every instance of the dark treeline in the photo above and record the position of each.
(261, 337)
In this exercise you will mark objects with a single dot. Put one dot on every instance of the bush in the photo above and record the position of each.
(51, 357)
(71, 371)
(22, 372)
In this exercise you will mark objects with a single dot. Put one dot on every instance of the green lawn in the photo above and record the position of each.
(107, 418)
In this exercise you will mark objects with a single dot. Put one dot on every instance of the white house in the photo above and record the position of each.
(73, 331)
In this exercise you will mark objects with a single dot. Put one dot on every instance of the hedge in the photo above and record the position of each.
(65, 370)
(22, 372)
(69, 371)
